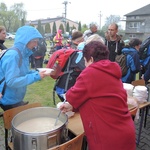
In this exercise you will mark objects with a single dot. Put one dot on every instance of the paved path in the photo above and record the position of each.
(145, 136)
(2, 143)
(143, 145)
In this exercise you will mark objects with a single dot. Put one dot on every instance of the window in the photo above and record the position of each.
(132, 35)
(134, 25)
(134, 17)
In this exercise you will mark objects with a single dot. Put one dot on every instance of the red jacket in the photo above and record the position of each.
(102, 102)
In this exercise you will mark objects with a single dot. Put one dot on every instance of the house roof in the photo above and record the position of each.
(48, 20)
(140, 12)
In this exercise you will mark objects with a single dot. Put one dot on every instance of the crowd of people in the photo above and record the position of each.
(103, 108)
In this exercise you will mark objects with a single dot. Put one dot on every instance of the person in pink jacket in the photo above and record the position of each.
(58, 40)
(101, 100)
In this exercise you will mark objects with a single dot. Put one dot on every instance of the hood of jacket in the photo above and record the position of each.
(107, 68)
(59, 31)
(23, 35)
(118, 38)
(127, 50)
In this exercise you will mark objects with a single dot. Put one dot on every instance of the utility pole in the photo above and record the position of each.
(100, 17)
(65, 13)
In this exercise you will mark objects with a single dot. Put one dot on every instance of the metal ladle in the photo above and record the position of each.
(60, 110)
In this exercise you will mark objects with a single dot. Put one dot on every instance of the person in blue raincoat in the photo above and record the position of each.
(18, 77)
(133, 61)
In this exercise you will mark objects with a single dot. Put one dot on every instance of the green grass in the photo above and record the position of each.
(42, 92)
(8, 43)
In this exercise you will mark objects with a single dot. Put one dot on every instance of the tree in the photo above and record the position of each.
(12, 18)
(5, 16)
(61, 27)
(73, 27)
(20, 15)
(67, 27)
(79, 27)
(54, 30)
(22, 22)
(112, 19)
(42, 31)
(101, 33)
(84, 28)
(18, 10)
(40, 28)
(47, 28)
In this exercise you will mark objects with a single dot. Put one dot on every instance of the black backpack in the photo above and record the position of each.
(41, 49)
(71, 71)
(122, 61)
(144, 50)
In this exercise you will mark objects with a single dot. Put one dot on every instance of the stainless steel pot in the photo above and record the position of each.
(38, 141)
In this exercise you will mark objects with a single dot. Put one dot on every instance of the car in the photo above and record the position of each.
(10, 36)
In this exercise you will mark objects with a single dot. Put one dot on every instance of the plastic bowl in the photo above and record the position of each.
(47, 70)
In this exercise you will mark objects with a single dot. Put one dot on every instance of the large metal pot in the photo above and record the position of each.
(38, 141)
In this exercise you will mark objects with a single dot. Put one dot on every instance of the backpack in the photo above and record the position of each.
(40, 50)
(122, 61)
(67, 68)
(19, 64)
(144, 50)
(58, 60)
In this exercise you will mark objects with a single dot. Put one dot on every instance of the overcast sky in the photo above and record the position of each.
(78, 10)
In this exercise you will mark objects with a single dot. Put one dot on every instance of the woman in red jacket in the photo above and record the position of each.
(99, 96)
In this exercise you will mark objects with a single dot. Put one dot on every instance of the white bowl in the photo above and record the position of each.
(47, 70)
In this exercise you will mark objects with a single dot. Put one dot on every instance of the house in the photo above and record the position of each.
(138, 23)
(58, 21)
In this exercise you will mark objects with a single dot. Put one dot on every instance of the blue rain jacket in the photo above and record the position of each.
(17, 77)
(133, 62)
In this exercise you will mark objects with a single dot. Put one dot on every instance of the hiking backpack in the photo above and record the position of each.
(66, 69)
(122, 61)
(40, 50)
(58, 60)
(144, 54)
(144, 50)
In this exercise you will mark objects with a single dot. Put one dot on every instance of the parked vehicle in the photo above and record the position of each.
(10, 36)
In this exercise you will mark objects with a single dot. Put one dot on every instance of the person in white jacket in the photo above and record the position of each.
(92, 30)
